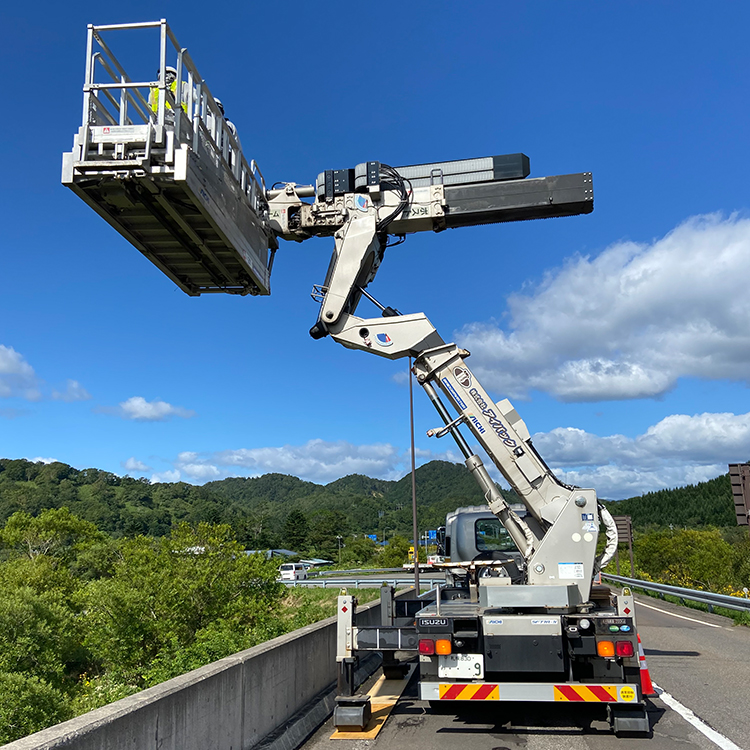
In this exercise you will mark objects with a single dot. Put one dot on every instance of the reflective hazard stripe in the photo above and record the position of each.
(586, 693)
(470, 692)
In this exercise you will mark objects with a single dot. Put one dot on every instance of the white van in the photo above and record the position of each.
(293, 572)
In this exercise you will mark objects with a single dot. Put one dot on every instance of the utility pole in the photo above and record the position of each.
(339, 540)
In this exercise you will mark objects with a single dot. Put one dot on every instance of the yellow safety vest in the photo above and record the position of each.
(154, 98)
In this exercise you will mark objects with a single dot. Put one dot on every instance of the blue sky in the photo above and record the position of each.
(622, 337)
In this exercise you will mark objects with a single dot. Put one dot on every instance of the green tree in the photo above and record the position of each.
(687, 557)
(325, 528)
(358, 551)
(166, 597)
(296, 531)
(37, 636)
(396, 553)
(28, 705)
(53, 532)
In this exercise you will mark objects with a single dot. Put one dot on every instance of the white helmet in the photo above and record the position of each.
(219, 105)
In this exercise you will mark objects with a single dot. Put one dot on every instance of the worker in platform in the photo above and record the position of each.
(232, 129)
(170, 76)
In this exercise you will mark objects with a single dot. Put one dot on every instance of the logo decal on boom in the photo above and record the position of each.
(449, 387)
(495, 422)
(476, 423)
(383, 339)
(361, 203)
(462, 376)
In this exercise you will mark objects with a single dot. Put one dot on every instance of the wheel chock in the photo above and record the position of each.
(352, 713)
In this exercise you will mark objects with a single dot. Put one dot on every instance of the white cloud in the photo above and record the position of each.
(17, 376)
(629, 322)
(41, 460)
(151, 411)
(133, 464)
(678, 450)
(401, 377)
(166, 476)
(74, 391)
(618, 482)
(316, 460)
(201, 472)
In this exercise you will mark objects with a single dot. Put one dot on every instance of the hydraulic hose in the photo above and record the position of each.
(611, 530)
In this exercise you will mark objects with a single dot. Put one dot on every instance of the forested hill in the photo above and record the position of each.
(696, 505)
(258, 508)
(369, 505)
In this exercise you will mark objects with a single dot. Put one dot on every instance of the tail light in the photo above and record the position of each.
(624, 648)
(605, 648)
(443, 646)
(426, 646)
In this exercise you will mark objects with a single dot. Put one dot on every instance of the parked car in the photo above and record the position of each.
(293, 572)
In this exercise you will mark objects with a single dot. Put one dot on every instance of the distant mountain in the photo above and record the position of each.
(370, 505)
(361, 485)
(258, 507)
(273, 488)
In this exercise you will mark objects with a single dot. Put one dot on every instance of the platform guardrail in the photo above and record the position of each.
(693, 595)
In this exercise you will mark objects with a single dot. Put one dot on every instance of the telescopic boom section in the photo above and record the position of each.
(362, 207)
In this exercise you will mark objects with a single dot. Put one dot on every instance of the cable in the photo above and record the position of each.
(400, 184)
(400, 239)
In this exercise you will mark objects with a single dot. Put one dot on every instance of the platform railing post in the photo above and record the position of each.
(160, 116)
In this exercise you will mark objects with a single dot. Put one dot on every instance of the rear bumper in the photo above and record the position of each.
(531, 691)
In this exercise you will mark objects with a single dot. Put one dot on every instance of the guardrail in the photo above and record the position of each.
(362, 583)
(353, 571)
(693, 595)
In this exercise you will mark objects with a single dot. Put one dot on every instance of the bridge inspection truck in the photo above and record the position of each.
(518, 621)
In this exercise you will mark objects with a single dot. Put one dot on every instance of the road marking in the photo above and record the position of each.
(682, 617)
(718, 739)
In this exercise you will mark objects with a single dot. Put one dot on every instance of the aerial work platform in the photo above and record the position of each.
(159, 162)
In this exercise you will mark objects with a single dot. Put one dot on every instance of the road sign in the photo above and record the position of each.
(374, 537)
(624, 536)
(739, 476)
(624, 528)
(432, 534)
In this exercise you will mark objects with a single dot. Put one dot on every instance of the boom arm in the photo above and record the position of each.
(559, 537)
(362, 207)
(559, 540)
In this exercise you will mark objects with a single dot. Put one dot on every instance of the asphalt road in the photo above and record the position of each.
(703, 663)
(701, 660)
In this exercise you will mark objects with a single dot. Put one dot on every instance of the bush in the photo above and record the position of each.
(28, 705)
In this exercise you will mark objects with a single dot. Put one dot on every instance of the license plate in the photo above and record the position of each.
(461, 666)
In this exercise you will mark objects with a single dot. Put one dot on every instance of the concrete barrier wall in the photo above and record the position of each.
(231, 704)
